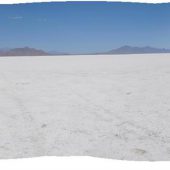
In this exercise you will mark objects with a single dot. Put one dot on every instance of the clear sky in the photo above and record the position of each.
(79, 27)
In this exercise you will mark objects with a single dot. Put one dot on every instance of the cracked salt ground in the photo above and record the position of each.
(111, 106)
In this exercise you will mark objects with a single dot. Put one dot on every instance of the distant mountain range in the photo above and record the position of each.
(137, 50)
(26, 51)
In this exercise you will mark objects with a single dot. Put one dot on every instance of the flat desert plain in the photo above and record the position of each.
(110, 106)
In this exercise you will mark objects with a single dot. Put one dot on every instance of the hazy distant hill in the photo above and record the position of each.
(26, 51)
(137, 50)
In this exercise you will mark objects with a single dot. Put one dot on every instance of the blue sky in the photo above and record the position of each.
(79, 27)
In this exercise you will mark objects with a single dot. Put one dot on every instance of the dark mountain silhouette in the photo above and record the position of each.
(26, 51)
(137, 50)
